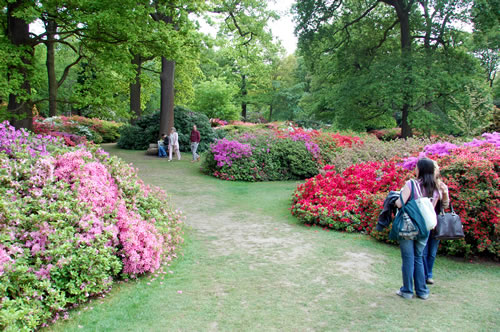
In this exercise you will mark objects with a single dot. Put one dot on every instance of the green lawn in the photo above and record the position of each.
(248, 266)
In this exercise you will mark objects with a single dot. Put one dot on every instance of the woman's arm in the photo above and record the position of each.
(405, 192)
(445, 197)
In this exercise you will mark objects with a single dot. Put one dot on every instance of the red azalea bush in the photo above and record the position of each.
(472, 176)
(216, 122)
(386, 134)
(79, 127)
(336, 199)
(351, 200)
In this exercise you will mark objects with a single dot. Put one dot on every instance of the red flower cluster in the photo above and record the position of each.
(317, 136)
(473, 178)
(335, 200)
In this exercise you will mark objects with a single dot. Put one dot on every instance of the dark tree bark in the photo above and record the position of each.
(18, 34)
(270, 113)
(167, 77)
(244, 93)
(403, 9)
(51, 29)
(135, 89)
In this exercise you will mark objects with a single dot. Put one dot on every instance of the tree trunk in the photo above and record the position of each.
(403, 12)
(19, 109)
(135, 90)
(167, 95)
(51, 28)
(270, 113)
(244, 93)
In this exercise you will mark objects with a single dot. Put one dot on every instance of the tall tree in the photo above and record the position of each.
(245, 27)
(174, 14)
(21, 46)
(327, 29)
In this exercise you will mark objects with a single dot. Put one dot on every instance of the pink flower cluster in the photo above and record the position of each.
(441, 149)
(72, 219)
(225, 151)
(141, 241)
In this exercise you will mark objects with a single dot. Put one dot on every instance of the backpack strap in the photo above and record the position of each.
(412, 196)
(419, 192)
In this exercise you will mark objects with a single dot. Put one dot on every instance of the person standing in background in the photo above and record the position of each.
(195, 141)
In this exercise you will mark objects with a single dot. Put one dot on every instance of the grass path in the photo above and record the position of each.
(248, 266)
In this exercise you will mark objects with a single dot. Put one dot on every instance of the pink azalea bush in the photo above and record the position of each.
(72, 221)
(273, 153)
(76, 129)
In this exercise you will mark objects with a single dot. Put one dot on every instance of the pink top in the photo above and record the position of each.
(435, 197)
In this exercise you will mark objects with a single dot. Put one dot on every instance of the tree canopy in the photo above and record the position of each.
(425, 65)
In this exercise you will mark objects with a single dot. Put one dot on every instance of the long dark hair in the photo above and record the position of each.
(426, 176)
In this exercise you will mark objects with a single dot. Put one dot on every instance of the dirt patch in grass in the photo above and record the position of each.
(247, 234)
(359, 265)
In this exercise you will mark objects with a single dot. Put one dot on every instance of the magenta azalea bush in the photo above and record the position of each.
(442, 149)
(72, 221)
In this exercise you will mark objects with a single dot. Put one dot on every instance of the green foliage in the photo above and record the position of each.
(362, 75)
(471, 112)
(135, 138)
(376, 150)
(214, 98)
(271, 160)
(145, 131)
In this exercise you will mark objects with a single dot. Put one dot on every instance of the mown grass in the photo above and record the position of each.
(248, 266)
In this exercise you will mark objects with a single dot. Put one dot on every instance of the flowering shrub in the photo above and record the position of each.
(445, 148)
(72, 220)
(375, 150)
(215, 122)
(273, 154)
(386, 134)
(335, 199)
(75, 128)
(351, 199)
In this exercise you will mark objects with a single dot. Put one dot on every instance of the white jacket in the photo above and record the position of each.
(173, 140)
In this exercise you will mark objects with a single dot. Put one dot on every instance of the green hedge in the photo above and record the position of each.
(147, 128)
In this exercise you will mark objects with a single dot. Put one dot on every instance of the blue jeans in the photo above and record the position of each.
(413, 266)
(161, 151)
(194, 148)
(429, 255)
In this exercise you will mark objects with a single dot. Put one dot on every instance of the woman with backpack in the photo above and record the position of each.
(412, 250)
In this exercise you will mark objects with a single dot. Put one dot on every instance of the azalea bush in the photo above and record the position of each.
(351, 199)
(335, 199)
(273, 154)
(72, 221)
(375, 150)
(75, 129)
